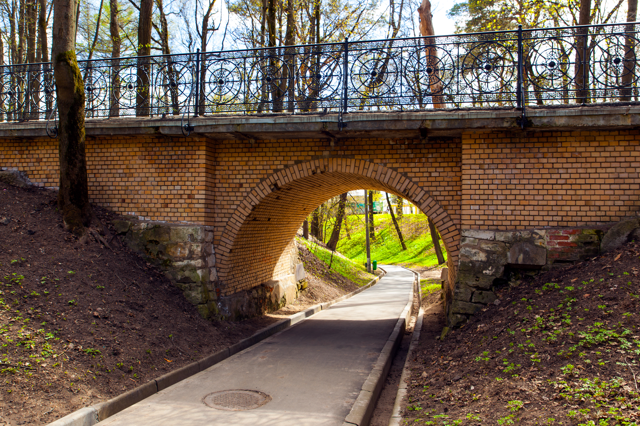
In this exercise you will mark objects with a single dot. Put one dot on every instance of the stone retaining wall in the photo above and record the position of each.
(186, 254)
(489, 259)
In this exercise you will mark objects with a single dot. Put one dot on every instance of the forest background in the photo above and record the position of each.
(119, 28)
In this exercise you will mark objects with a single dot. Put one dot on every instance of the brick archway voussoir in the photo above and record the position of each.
(263, 203)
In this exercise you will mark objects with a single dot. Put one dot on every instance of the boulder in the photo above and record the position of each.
(14, 178)
(527, 255)
(479, 234)
(460, 307)
(619, 234)
(463, 292)
(121, 226)
(300, 273)
(282, 290)
(484, 297)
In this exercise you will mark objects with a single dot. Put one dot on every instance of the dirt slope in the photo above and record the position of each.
(563, 348)
(81, 323)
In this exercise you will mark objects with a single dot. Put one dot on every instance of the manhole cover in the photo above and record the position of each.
(236, 400)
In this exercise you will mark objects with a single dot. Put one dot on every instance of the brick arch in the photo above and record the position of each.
(252, 248)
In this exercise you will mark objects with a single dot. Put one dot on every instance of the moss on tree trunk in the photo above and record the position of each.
(73, 197)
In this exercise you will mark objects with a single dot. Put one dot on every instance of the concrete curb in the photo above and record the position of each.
(90, 416)
(360, 414)
(396, 418)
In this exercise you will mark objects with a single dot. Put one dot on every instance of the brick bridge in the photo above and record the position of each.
(219, 208)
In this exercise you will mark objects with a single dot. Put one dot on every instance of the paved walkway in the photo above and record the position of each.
(313, 372)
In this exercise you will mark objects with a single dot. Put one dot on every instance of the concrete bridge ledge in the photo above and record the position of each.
(393, 125)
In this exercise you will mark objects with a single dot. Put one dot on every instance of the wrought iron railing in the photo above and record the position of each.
(497, 69)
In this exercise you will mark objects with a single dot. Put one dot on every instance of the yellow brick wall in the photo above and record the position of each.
(549, 179)
(486, 180)
(154, 178)
(37, 158)
(203, 181)
(251, 237)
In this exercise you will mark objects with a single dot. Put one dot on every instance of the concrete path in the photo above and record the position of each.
(313, 372)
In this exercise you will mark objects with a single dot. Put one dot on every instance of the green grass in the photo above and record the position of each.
(386, 249)
(345, 267)
(429, 285)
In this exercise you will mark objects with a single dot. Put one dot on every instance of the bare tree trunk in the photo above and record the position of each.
(305, 229)
(73, 196)
(75, 34)
(95, 36)
(32, 12)
(203, 48)
(315, 224)
(372, 227)
(346, 227)
(31, 9)
(21, 32)
(399, 207)
(289, 40)
(43, 55)
(582, 53)
(427, 30)
(335, 234)
(276, 96)
(13, 50)
(22, 37)
(143, 97)
(436, 241)
(171, 75)
(395, 223)
(2, 105)
(629, 70)
(116, 42)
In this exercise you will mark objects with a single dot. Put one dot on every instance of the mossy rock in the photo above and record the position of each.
(121, 226)
(14, 178)
(466, 308)
(161, 234)
(484, 297)
(187, 234)
(619, 234)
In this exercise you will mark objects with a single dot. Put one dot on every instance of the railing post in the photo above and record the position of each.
(520, 88)
(345, 84)
(197, 99)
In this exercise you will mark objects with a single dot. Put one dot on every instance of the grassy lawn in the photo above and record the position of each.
(386, 248)
(429, 285)
(345, 267)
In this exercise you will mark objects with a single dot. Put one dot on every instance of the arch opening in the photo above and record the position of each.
(257, 244)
